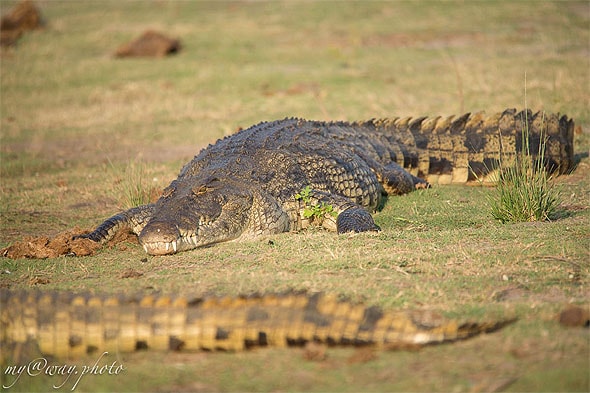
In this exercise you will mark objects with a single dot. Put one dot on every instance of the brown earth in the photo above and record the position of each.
(575, 316)
(22, 17)
(64, 243)
(149, 44)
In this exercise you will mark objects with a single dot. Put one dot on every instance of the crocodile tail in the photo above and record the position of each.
(469, 147)
(71, 325)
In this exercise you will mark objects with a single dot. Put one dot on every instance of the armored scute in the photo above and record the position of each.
(66, 325)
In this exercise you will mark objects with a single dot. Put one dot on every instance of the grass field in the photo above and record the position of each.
(73, 120)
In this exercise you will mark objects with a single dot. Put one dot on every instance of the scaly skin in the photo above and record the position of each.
(69, 325)
(246, 185)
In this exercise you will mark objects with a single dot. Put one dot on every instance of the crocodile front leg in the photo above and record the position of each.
(135, 219)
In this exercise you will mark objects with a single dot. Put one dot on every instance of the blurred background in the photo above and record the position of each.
(66, 100)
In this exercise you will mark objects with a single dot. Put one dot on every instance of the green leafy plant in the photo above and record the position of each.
(524, 191)
(314, 212)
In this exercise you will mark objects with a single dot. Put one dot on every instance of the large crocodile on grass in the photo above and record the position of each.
(250, 184)
(66, 325)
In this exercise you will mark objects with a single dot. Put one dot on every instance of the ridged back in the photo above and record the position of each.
(468, 147)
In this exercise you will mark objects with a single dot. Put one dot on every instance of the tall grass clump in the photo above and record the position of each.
(524, 191)
(135, 190)
(132, 186)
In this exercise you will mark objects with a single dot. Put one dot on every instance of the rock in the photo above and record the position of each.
(22, 17)
(149, 44)
(575, 316)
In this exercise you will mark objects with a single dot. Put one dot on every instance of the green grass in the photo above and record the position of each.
(73, 120)
(524, 191)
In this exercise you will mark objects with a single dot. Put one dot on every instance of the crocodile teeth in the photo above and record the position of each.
(174, 245)
(145, 248)
(167, 246)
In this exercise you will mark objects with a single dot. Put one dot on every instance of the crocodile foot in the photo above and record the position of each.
(356, 220)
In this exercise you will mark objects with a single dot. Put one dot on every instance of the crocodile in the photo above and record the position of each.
(70, 325)
(249, 184)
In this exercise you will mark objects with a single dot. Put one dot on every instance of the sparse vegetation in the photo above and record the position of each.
(314, 212)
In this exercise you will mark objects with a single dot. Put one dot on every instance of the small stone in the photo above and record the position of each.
(575, 316)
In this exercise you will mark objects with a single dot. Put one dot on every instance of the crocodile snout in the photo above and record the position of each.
(160, 238)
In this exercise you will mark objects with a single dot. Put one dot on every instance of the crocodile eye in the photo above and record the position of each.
(168, 191)
(200, 190)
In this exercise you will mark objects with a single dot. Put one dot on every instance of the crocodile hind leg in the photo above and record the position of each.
(135, 219)
(356, 219)
(335, 213)
(397, 181)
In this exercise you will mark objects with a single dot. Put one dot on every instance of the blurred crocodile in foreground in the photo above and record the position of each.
(67, 325)
(249, 184)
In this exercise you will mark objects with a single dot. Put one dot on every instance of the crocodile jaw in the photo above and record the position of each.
(164, 247)
(161, 248)
(162, 238)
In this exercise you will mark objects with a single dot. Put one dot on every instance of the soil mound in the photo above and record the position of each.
(22, 17)
(149, 44)
(575, 316)
(62, 244)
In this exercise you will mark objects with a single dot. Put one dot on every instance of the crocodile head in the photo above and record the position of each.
(196, 212)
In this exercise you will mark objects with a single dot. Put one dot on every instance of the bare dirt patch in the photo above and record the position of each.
(64, 243)
(22, 17)
(575, 316)
(149, 44)
(427, 39)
